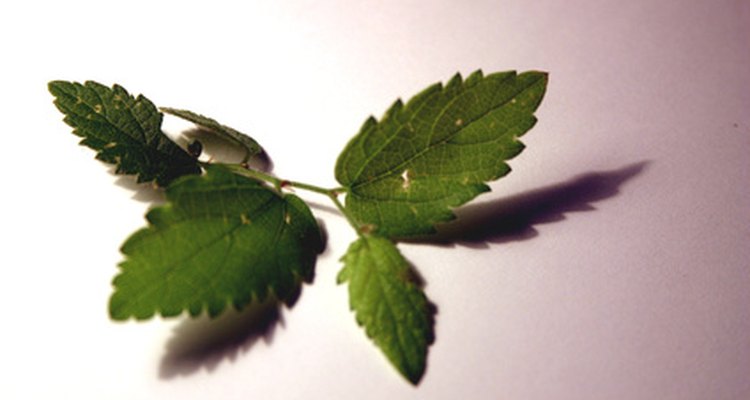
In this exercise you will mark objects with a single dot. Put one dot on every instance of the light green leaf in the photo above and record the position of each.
(246, 142)
(124, 130)
(406, 172)
(388, 303)
(220, 239)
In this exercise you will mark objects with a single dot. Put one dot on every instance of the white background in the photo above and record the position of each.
(612, 263)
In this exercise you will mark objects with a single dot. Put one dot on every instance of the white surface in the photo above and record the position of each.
(630, 284)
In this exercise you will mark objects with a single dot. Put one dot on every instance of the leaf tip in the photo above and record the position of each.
(117, 309)
(544, 76)
(54, 86)
(415, 376)
(541, 75)
(59, 88)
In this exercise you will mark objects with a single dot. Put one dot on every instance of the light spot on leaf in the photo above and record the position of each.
(148, 154)
(439, 154)
(245, 219)
(288, 218)
(407, 181)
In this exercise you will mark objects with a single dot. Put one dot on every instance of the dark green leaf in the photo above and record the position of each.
(124, 130)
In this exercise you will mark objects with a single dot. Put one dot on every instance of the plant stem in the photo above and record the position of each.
(333, 195)
(279, 184)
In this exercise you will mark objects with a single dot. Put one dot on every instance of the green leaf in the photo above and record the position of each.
(124, 130)
(404, 173)
(249, 144)
(388, 302)
(220, 239)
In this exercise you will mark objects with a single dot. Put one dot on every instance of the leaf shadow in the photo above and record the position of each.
(204, 342)
(216, 148)
(513, 218)
(415, 277)
(142, 192)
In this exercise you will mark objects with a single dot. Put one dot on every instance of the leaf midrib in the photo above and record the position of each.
(394, 170)
(134, 142)
(380, 277)
(173, 266)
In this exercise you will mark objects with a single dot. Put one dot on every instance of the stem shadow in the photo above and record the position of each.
(514, 218)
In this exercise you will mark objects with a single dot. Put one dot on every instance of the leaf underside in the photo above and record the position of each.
(221, 239)
(404, 173)
(230, 134)
(124, 130)
(388, 303)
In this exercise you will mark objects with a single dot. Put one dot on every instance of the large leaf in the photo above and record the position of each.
(388, 302)
(404, 173)
(124, 130)
(221, 239)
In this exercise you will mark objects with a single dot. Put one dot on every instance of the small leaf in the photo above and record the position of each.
(249, 144)
(220, 239)
(388, 303)
(405, 173)
(124, 130)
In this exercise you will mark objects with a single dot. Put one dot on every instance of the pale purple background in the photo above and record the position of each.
(611, 264)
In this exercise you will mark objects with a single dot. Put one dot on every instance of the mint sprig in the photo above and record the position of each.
(229, 235)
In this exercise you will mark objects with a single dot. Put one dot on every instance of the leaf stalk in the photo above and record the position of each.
(280, 184)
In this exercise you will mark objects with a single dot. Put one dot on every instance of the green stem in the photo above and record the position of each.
(279, 184)
(309, 187)
(239, 169)
(333, 195)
